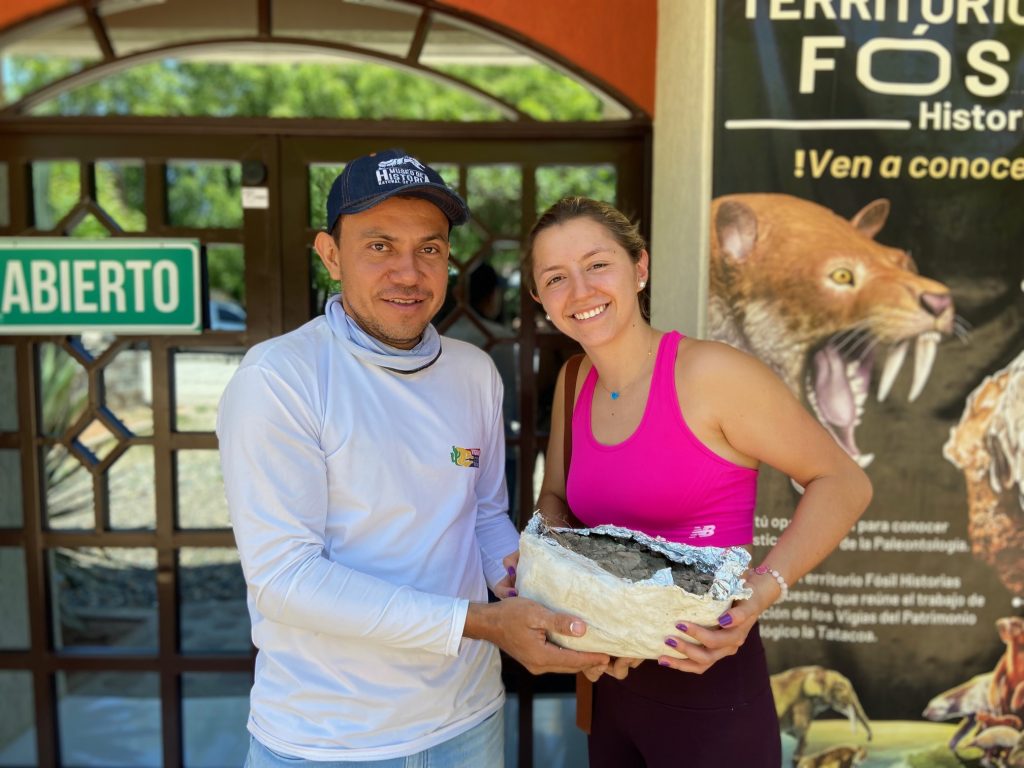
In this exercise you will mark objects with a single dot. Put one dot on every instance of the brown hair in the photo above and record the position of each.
(567, 209)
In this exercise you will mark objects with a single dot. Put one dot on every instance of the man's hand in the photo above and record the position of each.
(519, 627)
(618, 668)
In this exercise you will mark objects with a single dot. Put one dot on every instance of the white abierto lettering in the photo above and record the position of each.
(111, 286)
(165, 291)
(82, 286)
(15, 290)
(43, 276)
(65, 286)
(138, 268)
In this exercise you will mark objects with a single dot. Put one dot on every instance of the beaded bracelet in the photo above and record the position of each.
(763, 569)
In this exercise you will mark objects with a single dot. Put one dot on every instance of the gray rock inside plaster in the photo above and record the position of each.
(631, 560)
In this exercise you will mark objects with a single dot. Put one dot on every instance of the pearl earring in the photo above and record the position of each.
(642, 284)
(547, 317)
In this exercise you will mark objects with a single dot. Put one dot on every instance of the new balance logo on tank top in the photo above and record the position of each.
(660, 480)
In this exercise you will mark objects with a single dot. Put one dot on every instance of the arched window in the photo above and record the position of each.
(349, 59)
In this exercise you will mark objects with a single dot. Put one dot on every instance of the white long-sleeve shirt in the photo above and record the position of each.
(363, 537)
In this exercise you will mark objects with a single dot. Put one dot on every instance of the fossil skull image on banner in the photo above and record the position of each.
(820, 301)
(988, 446)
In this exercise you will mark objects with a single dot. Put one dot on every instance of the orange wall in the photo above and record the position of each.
(614, 41)
(16, 10)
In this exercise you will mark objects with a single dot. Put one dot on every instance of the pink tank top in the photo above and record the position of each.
(660, 480)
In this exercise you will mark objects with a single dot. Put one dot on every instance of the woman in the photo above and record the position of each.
(668, 433)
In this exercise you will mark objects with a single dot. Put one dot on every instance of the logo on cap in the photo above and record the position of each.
(371, 179)
(396, 171)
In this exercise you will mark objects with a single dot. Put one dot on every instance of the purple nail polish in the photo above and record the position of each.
(662, 662)
(724, 620)
(511, 572)
(513, 593)
(671, 641)
(681, 627)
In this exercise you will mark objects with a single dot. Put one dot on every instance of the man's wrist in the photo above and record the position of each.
(480, 622)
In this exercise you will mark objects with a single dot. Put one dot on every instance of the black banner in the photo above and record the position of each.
(868, 244)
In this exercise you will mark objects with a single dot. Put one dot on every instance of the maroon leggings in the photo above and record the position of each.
(660, 718)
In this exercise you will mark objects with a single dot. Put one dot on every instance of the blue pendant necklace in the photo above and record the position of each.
(615, 394)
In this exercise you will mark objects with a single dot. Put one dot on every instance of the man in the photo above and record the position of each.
(363, 462)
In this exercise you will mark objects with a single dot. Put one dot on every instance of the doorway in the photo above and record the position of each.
(125, 601)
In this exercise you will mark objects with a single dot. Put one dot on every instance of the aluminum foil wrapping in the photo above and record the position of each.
(626, 618)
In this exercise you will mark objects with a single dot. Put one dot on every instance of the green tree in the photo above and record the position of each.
(344, 90)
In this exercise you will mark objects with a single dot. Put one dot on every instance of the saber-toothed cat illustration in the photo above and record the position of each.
(813, 295)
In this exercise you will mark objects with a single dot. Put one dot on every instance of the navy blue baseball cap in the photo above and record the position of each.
(371, 179)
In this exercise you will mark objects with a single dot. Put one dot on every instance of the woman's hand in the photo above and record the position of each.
(507, 586)
(716, 643)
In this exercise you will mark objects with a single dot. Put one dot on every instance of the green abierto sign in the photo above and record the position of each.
(65, 285)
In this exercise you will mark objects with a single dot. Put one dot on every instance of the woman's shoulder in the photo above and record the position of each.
(716, 361)
(706, 351)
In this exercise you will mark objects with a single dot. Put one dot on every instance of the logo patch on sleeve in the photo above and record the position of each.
(466, 457)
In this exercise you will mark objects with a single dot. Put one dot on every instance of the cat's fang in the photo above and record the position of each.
(924, 357)
(893, 364)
